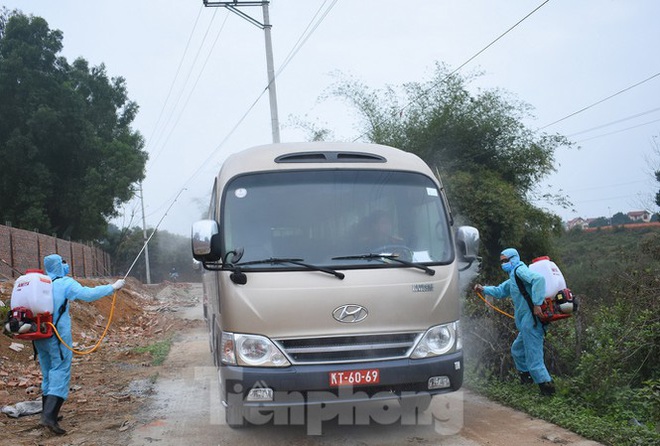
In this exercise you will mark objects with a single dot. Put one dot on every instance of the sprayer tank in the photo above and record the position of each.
(554, 279)
(33, 291)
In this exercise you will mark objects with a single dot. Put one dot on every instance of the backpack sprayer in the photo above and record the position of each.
(31, 314)
(559, 302)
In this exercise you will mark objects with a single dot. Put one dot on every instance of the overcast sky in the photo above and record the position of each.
(196, 73)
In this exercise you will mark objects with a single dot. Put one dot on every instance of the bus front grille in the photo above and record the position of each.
(353, 348)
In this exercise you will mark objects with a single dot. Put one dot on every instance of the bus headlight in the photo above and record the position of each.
(437, 341)
(258, 351)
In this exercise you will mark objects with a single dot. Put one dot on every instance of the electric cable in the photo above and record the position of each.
(493, 151)
(114, 296)
(294, 50)
(305, 36)
(193, 88)
(601, 101)
(201, 71)
(297, 46)
(478, 53)
(627, 183)
(176, 75)
(619, 131)
(614, 122)
(183, 88)
(605, 199)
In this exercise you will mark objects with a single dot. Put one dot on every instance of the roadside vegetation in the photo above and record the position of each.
(69, 154)
(158, 350)
(70, 157)
(604, 359)
(614, 427)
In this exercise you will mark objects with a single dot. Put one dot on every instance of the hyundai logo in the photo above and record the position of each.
(350, 314)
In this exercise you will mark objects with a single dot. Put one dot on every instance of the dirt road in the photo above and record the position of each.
(119, 397)
(184, 409)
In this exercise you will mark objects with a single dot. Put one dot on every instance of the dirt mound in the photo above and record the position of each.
(88, 320)
(106, 384)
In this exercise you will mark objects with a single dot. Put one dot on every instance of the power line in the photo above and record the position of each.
(185, 83)
(619, 131)
(297, 46)
(614, 122)
(194, 86)
(607, 185)
(477, 54)
(301, 41)
(608, 198)
(601, 101)
(176, 75)
(306, 35)
(208, 56)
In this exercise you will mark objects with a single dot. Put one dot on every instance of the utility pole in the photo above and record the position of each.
(144, 237)
(266, 26)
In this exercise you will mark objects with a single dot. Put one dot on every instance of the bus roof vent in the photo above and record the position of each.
(330, 157)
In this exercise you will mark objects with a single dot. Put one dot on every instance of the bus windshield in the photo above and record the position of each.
(336, 218)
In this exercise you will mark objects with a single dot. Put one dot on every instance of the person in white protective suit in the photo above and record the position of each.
(55, 358)
(527, 349)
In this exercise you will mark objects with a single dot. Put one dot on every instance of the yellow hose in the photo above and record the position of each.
(86, 352)
(493, 306)
(112, 310)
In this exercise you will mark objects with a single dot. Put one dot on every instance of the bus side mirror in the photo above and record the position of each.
(205, 240)
(467, 243)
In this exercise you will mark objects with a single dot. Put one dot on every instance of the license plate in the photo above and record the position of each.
(354, 377)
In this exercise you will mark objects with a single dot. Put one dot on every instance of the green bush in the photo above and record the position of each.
(4, 311)
(604, 359)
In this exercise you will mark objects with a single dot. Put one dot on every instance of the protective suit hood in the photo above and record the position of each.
(513, 255)
(53, 266)
(514, 259)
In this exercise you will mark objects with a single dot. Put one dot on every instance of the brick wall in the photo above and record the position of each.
(21, 250)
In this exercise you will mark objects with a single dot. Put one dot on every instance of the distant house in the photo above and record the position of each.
(640, 216)
(636, 217)
(578, 222)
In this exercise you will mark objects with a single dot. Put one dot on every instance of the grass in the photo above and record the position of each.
(158, 350)
(612, 428)
(4, 311)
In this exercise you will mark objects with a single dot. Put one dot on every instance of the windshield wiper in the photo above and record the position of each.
(299, 262)
(394, 257)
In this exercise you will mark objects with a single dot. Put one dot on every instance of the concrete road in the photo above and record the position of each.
(186, 410)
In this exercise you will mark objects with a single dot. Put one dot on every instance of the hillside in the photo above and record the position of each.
(588, 257)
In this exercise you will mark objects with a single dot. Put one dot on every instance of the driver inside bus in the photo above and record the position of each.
(377, 231)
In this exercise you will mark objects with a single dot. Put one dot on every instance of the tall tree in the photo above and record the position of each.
(69, 153)
(490, 161)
